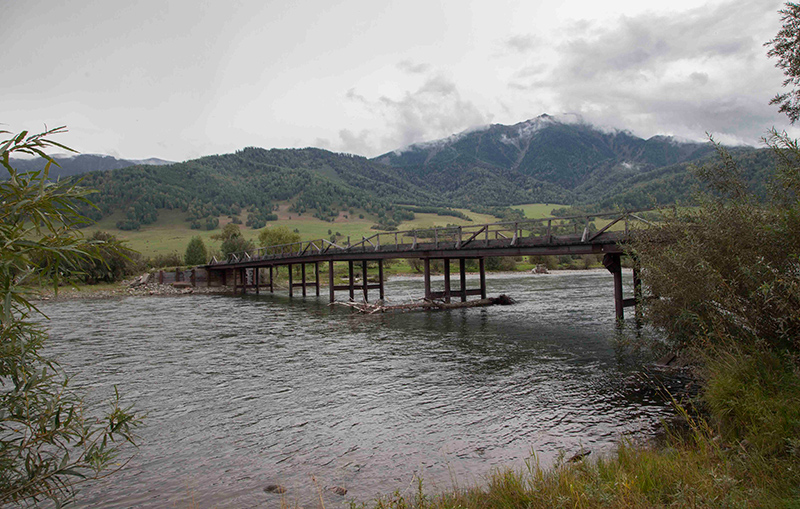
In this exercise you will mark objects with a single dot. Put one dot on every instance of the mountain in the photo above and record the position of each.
(539, 160)
(546, 160)
(316, 181)
(69, 165)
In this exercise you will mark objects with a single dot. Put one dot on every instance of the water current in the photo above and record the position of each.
(245, 391)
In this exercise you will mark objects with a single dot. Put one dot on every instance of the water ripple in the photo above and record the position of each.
(242, 392)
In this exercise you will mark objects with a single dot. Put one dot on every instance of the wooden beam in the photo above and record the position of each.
(257, 279)
(271, 288)
(441, 295)
(291, 286)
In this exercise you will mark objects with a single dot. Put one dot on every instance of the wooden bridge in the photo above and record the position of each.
(574, 235)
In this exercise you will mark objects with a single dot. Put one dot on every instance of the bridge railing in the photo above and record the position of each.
(510, 233)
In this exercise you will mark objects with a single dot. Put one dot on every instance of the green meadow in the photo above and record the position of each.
(171, 233)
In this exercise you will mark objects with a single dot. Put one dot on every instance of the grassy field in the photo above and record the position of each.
(537, 210)
(171, 233)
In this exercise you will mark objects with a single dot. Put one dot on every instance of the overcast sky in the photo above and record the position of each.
(181, 79)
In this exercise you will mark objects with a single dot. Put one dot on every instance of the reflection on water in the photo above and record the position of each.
(241, 392)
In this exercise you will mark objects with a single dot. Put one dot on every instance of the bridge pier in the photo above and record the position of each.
(462, 291)
(365, 286)
(612, 262)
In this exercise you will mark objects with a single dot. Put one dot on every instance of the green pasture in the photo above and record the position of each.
(538, 210)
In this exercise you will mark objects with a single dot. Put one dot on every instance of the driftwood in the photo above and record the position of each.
(425, 304)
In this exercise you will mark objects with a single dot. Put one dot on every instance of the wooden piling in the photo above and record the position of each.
(613, 264)
(482, 268)
(257, 279)
(427, 277)
(364, 281)
(271, 288)
(462, 269)
(352, 281)
(331, 287)
(380, 278)
(447, 279)
(291, 285)
(316, 276)
(303, 275)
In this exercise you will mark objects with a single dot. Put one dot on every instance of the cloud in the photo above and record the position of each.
(355, 143)
(521, 43)
(702, 70)
(434, 110)
(413, 68)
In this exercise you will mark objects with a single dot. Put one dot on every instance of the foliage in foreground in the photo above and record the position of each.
(48, 443)
(731, 267)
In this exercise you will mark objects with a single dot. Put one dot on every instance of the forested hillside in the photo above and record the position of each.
(317, 182)
(544, 160)
(538, 161)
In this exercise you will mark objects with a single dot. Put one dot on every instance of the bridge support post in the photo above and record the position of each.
(257, 279)
(427, 277)
(271, 288)
(331, 287)
(447, 280)
(462, 269)
(482, 268)
(352, 281)
(364, 281)
(380, 279)
(614, 266)
(303, 275)
(316, 276)
(291, 284)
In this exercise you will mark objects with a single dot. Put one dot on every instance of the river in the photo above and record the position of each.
(241, 392)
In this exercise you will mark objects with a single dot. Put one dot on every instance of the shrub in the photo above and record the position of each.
(196, 253)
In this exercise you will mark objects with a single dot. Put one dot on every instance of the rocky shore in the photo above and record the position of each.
(126, 289)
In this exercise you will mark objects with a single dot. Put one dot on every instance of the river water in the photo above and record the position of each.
(241, 392)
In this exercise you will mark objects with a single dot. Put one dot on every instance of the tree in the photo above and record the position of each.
(730, 268)
(784, 47)
(47, 442)
(232, 240)
(276, 236)
(196, 253)
(110, 260)
(230, 230)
